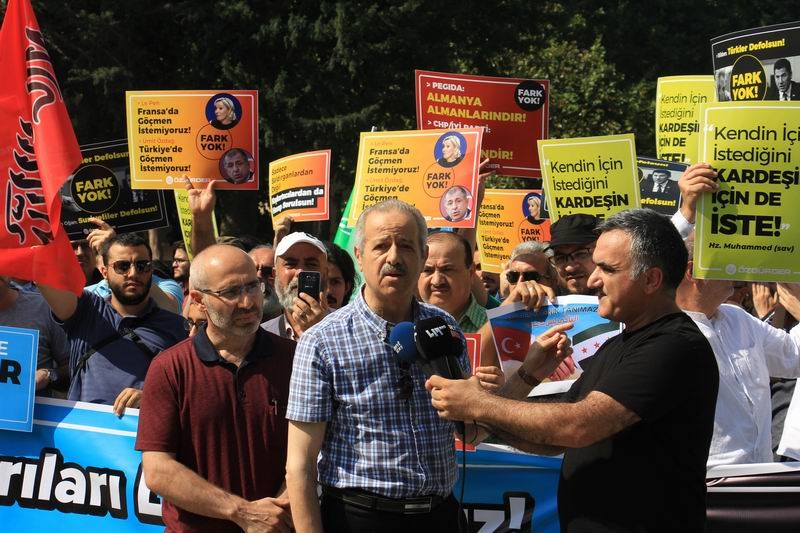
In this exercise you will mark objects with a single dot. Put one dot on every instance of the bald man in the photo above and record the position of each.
(212, 427)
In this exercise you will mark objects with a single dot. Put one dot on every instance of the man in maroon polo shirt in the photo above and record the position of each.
(212, 427)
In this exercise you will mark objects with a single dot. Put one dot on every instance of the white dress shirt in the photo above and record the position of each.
(748, 352)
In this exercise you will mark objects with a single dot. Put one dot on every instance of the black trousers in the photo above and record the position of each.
(341, 517)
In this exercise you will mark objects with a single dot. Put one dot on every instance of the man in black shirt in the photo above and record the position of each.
(635, 428)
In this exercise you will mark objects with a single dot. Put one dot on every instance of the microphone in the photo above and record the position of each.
(401, 339)
(438, 348)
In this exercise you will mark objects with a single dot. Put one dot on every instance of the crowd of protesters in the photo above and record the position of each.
(268, 408)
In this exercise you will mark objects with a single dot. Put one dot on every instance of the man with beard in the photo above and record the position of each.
(572, 240)
(264, 257)
(87, 259)
(295, 253)
(168, 294)
(112, 340)
(212, 429)
(180, 265)
(341, 276)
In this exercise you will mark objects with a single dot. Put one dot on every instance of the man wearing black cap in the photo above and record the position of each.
(572, 240)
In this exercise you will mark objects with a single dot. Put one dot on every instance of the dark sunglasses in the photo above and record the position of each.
(188, 324)
(141, 266)
(265, 271)
(513, 276)
(405, 385)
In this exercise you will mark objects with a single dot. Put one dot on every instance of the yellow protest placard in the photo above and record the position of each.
(185, 220)
(677, 109)
(507, 218)
(592, 175)
(434, 170)
(299, 186)
(749, 229)
(205, 135)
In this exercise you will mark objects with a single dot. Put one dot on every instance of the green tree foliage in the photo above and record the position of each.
(328, 70)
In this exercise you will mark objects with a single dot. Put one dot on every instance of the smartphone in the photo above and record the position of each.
(308, 282)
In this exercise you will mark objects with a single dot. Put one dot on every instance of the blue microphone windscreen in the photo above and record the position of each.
(401, 338)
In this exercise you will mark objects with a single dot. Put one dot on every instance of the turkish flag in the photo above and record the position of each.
(512, 344)
(38, 151)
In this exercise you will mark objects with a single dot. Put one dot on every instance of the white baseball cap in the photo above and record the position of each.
(296, 238)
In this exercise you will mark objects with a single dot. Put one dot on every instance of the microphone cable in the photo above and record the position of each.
(461, 517)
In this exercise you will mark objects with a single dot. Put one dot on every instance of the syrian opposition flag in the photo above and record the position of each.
(38, 152)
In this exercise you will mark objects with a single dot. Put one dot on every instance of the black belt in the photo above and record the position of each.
(368, 500)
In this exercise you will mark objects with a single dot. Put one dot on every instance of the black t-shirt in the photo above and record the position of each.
(651, 476)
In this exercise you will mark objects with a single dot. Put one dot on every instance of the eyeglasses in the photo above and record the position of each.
(231, 294)
(176, 260)
(532, 275)
(405, 385)
(188, 324)
(579, 256)
(265, 271)
(123, 267)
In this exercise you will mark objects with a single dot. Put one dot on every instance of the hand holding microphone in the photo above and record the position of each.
(431, 343)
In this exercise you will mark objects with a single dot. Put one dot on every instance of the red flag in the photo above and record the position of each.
(512, 344)
(38, 152)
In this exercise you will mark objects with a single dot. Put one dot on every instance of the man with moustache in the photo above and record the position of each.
(386, 462)
(456, 204)
(212, 429)
(166, 292)
(529, 261)
(264, 257)
(445, 280)
(180, 265)
(113, 340)
(193, 317)
(87, 259)
(236, 164)
(295, 253)
(572, 241)
(341, 276)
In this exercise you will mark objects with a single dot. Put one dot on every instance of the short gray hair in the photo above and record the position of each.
(531, 247)
(535, 248)
(392, 205)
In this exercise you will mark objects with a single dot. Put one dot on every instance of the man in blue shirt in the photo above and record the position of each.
(113, 340)
(386, 461)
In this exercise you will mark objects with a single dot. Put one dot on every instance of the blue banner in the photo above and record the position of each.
(18, 350)
(507, 491)
(76, 471)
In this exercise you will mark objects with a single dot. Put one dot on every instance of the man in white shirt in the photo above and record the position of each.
(748, 352)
